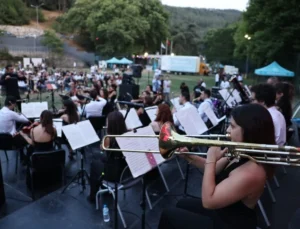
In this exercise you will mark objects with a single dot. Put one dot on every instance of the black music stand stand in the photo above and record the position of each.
(53, 101)
(80, 175)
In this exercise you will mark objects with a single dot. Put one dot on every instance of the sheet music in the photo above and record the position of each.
(22, 84)
(191, 121)
(151, 112)
(227, 97)
(236, 96)
(51, 87)
(80, 134)
(74, 98)
(34, 109)
(132, 120)
(176, 103)
(138, 162)
(210, 114)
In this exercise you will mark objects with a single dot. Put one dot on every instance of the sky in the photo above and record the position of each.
(215, 4)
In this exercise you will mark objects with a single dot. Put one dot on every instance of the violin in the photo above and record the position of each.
(27, 129)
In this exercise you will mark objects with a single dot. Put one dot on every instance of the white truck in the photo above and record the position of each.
(230, 70)
(180, 64)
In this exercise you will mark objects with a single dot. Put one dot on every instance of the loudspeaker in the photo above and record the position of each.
(137, 70)
(127, 78)
(125, 89)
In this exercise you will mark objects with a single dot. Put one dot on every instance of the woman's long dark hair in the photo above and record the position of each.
(97, 88)
(256, 122)
(47, 122)
(116, 123)
(284, 103)
(71, 111)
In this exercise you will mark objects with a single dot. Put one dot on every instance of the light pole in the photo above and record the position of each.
(146, 56)
(34, 43)
(247, 37)
(37, 12)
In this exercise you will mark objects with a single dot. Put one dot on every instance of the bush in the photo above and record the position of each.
(53, 42)
(13, 12)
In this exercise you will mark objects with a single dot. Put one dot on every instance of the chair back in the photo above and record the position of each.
(6, 141)
(98, 122)
(47, 160)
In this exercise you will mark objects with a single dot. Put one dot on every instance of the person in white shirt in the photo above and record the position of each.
(225, 84)
(8, 117)
(167, 88)
(205, 97)
(265, 94)
(184, 100)
(217, 80)
(95, 108)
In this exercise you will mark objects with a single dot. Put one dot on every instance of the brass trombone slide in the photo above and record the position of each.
(170, 141)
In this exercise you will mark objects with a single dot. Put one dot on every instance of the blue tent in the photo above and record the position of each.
(125, 61)
(274, 69)
(113, 61)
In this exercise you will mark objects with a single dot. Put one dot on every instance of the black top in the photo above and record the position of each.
(42, 146)
(237, 215)
(115, 163)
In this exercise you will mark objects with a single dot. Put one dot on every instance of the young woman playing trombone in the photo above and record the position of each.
(230, 189)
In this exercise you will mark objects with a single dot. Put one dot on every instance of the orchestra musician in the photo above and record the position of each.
(184, 100)
(205, 97)
(230, 189)
(94, 108)
(10, 81)
(8, 119)
(41, 138)
(283, 101)
(163, 115)
(112, 163)
(265, 95)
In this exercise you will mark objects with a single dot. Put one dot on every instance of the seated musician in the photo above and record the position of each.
(283, 101)
(113, 163)
(95, 107)
(159, 97)
(143, 116)
(184, 100)
(108, 107)
(112, 93)
(205, 97)
(8, 119)
(70, 116)
(163, 115)
(265, 95)
(230, 189)
(41, 138)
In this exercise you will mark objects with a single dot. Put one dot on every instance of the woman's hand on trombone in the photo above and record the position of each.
(214, 154)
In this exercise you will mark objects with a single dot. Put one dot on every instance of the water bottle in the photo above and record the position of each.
(106, 217)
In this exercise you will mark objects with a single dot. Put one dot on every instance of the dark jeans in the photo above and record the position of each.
(189, 214)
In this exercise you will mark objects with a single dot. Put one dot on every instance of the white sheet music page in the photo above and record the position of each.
(80, 134)
(191, 121)
(176, 103)
(210, 114)
(151, 112)
(58, 126)
(138, 162)
(28, 110)
(230, 101)
(236, 96)
(73, 136)
(88, 132)
(132, 120)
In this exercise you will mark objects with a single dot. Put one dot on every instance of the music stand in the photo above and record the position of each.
(80, 135)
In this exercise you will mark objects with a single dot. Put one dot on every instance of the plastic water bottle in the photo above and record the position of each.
(106, 217)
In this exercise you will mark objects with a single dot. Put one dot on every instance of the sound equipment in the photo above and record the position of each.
(137, 70)
(128, 78)
(215, 93)
(125, 89)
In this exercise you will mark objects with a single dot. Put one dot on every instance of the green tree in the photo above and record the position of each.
(274, 26)
(219, 45)
(13, 12)
(52, 42)
(118, 27)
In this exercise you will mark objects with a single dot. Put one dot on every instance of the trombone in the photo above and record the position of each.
(170, 141)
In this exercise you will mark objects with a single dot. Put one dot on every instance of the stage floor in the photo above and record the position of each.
(72, 210)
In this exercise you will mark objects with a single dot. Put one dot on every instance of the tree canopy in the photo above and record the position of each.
(119, 27)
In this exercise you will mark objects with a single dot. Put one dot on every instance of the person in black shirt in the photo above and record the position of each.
(10, 81)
